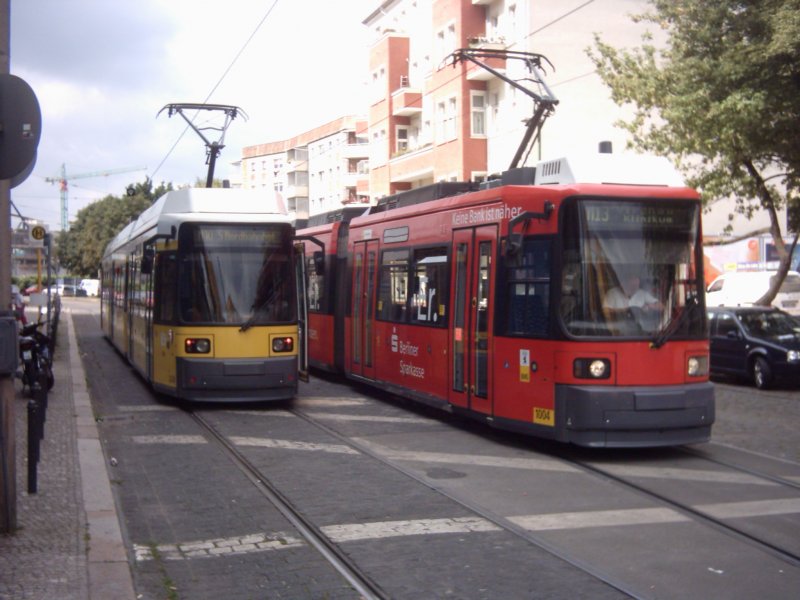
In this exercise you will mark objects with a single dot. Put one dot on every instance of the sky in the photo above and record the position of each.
(102, 70)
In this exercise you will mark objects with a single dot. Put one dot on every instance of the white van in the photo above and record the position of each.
(90, 286)
(743, 288)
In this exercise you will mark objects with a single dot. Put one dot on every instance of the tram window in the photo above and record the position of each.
(133, 288)
(393, 290)
(528, 289)
(166, 287)
(316, 286)
(429, 285)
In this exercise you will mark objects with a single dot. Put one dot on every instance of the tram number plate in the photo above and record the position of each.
(544, 416)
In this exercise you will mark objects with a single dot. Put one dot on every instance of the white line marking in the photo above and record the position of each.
(350, 532)
(653, 516)
(263, 413)
(168, 439)
(537, 464)
(257, 542)
(531, 464)
(598, 518)
(371, 531)
(754, 508)
(377, 419)
(330, 402)
(683, 474)
(291, 445)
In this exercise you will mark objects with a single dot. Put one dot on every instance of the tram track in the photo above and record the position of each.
(362, 583)
(697, 514)
(329, 549)
(718, 524)
(747, 470)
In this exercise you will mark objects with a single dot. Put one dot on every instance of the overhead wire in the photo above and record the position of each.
(216, 85)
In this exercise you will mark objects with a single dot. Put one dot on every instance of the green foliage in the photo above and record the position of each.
(81, 248)
(724, 90)
(721, 98)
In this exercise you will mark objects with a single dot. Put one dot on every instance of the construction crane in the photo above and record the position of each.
(64, 178)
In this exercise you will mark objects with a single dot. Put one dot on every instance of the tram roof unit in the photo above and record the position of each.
(219, 205)
(609, 169)
(594, 169)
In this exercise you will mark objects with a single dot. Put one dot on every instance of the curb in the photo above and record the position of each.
(107, 562)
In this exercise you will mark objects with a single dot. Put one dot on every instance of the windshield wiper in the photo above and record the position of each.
(251, 321)
(671, 326)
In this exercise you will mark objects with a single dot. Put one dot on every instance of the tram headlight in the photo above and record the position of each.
(197, 345)
(592, 368)
(697, 366)
(282, 344)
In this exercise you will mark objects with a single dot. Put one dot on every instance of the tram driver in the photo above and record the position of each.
(629, 298)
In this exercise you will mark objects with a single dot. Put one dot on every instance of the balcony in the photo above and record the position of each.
(406, 101)
(354, 179)
(297, 166)
(478, 73)
(296, 191)
(412, 166)
(355, 150)
(487, 42)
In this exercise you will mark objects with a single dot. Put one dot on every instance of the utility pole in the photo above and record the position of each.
(8, 468)
(20, 129)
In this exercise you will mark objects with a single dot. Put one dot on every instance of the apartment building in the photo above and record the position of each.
(430, 119)
(317, 171)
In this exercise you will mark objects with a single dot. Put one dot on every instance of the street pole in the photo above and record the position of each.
(8, 472)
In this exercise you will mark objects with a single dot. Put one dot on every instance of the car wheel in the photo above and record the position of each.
(762, 373)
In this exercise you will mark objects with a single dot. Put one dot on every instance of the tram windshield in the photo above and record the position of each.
(236, 274)
(630, 269)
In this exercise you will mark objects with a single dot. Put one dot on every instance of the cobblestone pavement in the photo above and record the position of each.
(46, 557)
(49, 556)
(767, 422)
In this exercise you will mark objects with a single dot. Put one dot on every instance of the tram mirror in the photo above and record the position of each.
(319, 262)
(147, 260)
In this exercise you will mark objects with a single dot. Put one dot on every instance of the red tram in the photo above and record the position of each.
(549, 302)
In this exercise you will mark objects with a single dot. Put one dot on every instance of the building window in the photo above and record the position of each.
(478, 111)
(445, 43)
(401, 140)
(446, 120)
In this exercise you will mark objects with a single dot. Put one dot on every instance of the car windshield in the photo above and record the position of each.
(770, 324)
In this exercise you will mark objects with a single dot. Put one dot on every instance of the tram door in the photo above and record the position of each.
(302, 312)
(471, 327)
(362, 346)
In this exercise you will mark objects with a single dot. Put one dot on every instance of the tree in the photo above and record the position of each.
(80, 249)
(722, 99)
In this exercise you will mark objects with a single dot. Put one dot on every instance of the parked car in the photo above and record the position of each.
(757, 343)
(743, 288)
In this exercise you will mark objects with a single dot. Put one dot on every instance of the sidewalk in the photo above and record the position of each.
(68, 543)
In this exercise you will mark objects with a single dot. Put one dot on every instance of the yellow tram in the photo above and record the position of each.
(201, 294)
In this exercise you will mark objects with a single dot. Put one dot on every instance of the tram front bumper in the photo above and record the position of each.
(237, 380)
(634, 416)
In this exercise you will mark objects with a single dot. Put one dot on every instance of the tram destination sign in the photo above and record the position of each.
(622, 216)
(223, 236)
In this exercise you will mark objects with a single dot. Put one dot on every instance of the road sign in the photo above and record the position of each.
(37, 234)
